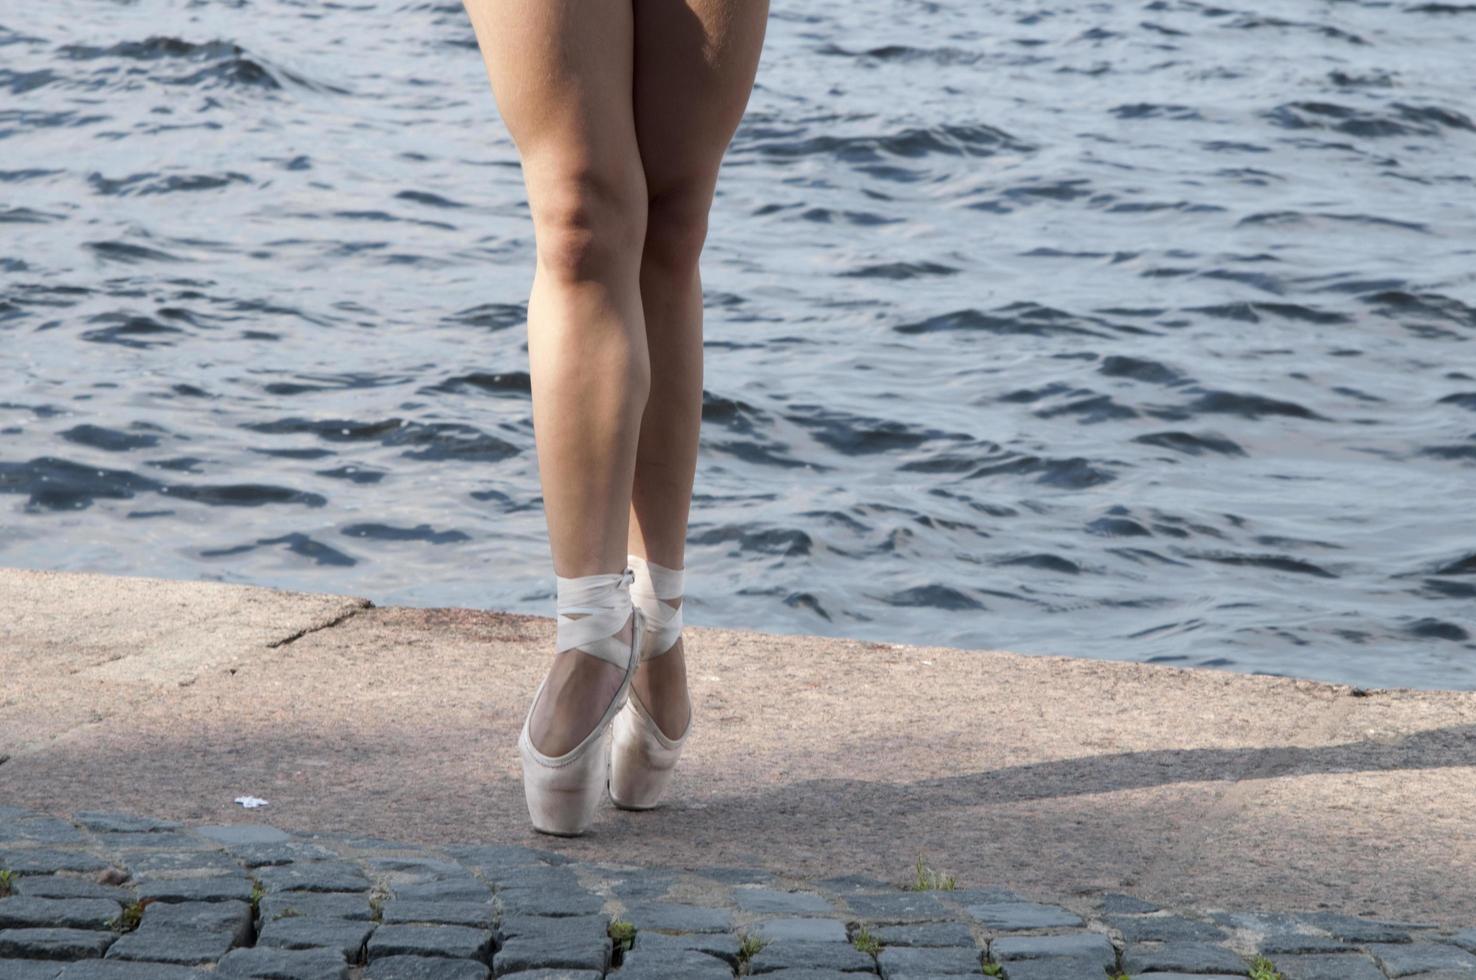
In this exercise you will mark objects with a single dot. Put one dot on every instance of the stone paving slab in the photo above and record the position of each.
(346, 907)
(1182, 788)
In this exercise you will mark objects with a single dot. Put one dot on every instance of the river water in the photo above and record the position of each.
(1124, 330)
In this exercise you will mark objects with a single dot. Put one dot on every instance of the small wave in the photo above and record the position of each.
(912, 143)
(224, 64)
(784, 542)
(153, 183)
(492, 316)
(1117, 523)
(1430, 628)
(302, 545)
(1278, 563)
(933, 597)
(1403, 304)
(1250, 312)
(1074, 473)
(503, 383)
(61, 484)
(1397, 119)
(1466, 451)
(433, 441)
(854, 435)
(1191, 443)
(1247, 22)
(388, 532)
(115, 251)
(1139, 369)
(1044, 562)
(1015, 318)
(139, 332)
(113, 440)
(1090, 410)
(1249, 406)
(427, 198)
(901, 270)
(21, 82)
(904, 54)
(1463, 399)
(1377, 79)
(27, 216)
(1155, 110)
(1309, 219)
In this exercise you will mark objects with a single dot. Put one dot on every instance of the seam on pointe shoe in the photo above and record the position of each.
(639, 707)
(622, 697)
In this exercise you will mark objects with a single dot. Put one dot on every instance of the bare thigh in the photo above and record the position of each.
(695, 62)
(562, 74)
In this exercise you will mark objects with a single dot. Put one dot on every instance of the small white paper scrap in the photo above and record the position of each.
(251, 802)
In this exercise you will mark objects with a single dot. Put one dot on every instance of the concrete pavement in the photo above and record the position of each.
(811, 756)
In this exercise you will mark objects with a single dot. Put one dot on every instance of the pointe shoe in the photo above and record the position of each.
(564, 791)
(642, 756)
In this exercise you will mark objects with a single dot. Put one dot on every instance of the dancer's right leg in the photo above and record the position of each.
(561, 72)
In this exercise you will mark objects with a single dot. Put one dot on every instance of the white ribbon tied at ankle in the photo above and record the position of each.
(653, 584)
(606, 600)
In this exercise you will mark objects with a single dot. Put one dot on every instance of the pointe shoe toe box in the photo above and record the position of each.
(642, 758)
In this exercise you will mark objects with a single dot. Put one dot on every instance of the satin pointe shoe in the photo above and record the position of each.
(564, 791)
(642, 756)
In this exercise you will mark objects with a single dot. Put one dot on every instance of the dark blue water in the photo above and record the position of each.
(1126, 330)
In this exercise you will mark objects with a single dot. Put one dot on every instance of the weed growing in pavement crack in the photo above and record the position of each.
(866, 942)
(926, 879)
(1263, 969)
(747, 950)
(128, 919)
(623, 933)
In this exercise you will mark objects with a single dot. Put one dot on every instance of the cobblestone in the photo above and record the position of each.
(425, 968)
(257, 903)
(171, 944)
(802, 930)
(476, 915)
(930, 961)
(924, 934)
(1182, 957)
(297, 932)
(53, 944)
(1014, 916)
(457, 942)
(283, 964)
(22, 912)
(1339, 966)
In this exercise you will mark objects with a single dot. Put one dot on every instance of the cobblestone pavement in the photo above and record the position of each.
(108, 896)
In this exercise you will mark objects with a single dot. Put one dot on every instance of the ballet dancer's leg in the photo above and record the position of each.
(562, 75)
(695, 62)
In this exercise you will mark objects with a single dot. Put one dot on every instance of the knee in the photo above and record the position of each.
(589, 224)
(676, 227)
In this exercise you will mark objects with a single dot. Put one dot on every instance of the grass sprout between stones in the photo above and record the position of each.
(130, 917)
(623, 932)
(866, 942)
(1264, 969)
(256, 895)
(748, 949)
(926, 879)
(378, 896)
(993, 970)
(6, 877)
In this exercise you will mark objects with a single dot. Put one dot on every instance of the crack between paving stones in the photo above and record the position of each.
(276, 644)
